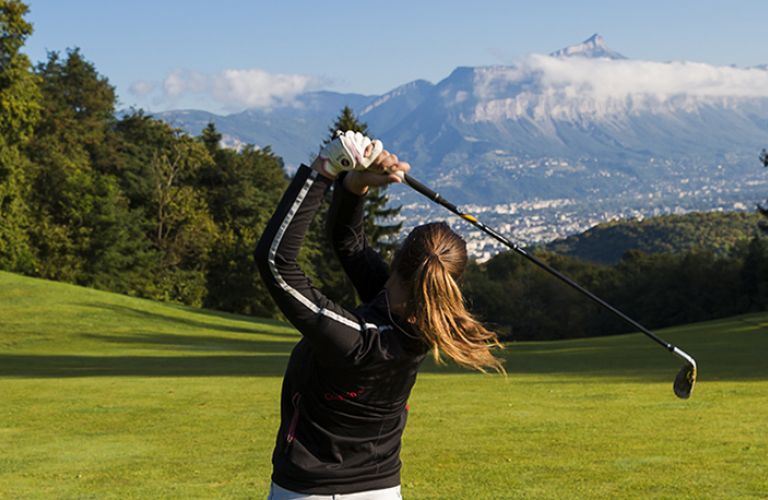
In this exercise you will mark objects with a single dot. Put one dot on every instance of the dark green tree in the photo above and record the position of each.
(139, 137)
(19, 92)
(763, 210)
(754, 274)
(83, 231)
(242, 188)
(524, 303)
(211, 138)
(184, 231)
(19, 112)
(160, 171)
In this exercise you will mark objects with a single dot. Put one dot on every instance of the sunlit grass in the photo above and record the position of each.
(105, 396)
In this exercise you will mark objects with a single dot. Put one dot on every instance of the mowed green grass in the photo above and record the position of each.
(106, 396)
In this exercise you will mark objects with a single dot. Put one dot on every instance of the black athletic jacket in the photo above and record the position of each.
(343, 403)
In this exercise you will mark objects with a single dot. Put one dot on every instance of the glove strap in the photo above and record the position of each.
(328, 167)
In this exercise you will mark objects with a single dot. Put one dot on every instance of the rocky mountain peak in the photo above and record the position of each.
(593, 46)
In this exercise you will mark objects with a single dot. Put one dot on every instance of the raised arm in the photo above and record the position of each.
(364, 266)
(333, 331)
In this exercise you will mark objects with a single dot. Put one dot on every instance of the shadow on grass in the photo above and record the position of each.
(46, 366)
(636, 358)
(725, 353)
(269, 360)
(258, 324)
(226, 315)
(170, 341)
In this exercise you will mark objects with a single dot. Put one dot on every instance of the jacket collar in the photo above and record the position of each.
(380, 304)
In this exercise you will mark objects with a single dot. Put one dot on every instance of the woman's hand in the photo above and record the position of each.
(385, 169)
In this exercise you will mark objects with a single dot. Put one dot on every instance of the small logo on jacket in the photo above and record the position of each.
(330, 396)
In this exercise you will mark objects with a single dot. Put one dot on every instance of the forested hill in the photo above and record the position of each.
(717, 232)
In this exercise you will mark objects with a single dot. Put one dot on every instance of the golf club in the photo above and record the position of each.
(686, 377)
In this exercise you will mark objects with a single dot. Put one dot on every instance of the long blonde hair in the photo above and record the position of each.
(429, 262)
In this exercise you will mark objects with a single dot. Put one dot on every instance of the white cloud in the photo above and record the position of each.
(180, 82)
(231, 89)
(142, 88)
(568, 88)
(617, 79)
(257, 88)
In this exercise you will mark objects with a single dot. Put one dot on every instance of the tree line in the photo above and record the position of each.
(524, 303)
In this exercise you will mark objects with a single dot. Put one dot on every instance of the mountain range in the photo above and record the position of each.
(584, 122)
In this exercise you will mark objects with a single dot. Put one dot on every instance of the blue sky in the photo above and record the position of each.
(166, 54)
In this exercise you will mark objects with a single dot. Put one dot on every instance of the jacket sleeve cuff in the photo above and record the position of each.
(321, 179)
(349, 206)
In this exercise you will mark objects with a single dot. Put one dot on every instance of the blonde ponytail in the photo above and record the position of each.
(430, 260)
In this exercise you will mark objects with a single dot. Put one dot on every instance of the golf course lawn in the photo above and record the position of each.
(107, 396)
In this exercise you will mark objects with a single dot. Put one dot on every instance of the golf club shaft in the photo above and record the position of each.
(432, 195)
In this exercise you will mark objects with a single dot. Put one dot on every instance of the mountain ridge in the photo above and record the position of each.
(584, 122)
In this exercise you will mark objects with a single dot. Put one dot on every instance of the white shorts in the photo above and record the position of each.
(278, 493)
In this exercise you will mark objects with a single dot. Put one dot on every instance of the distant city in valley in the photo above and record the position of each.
(540, 221)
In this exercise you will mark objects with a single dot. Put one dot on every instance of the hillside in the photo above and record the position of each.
(63, 325)
(107, 396)
(716, 232)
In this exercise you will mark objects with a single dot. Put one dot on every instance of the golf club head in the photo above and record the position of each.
(685, 380)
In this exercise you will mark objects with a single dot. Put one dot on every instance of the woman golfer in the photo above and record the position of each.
(343, 405)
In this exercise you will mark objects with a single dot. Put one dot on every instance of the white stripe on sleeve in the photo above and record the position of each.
(282, 283)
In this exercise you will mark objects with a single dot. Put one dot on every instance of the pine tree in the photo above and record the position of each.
(211, 138)
(763, 210)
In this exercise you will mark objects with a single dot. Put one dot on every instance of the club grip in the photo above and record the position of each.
(432, 195)
(421, 188)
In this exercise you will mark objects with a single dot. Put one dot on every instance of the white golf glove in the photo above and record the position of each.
(347, 152)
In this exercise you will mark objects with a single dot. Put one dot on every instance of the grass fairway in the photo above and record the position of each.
(105, 396)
